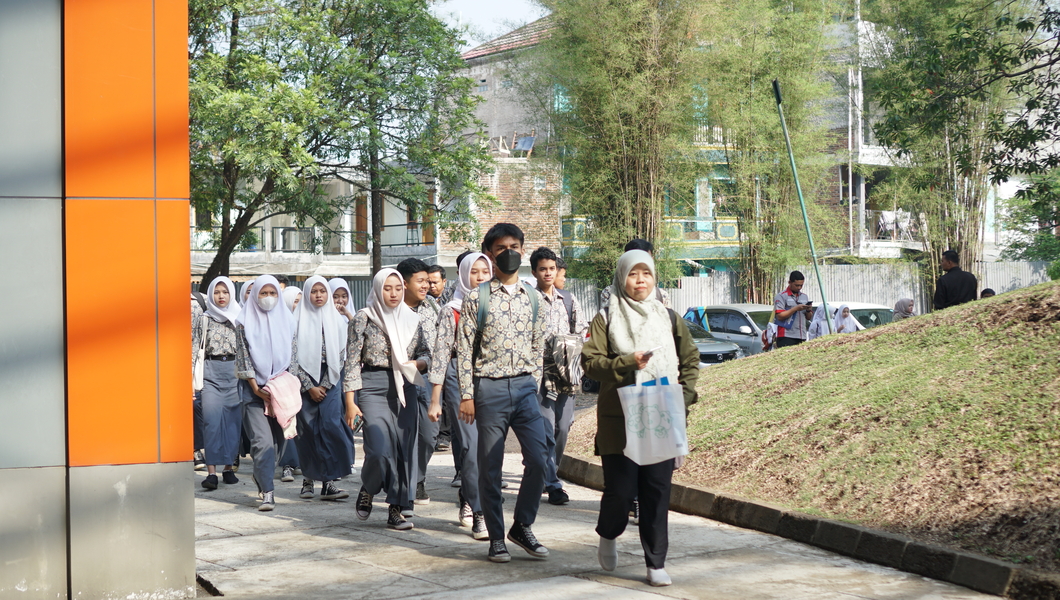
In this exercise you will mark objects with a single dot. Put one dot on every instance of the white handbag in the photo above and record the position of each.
(655, 421)
(200, 357)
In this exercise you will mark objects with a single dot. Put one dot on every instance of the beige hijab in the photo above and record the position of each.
(637, 326)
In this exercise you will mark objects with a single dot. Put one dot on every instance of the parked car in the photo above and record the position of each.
(711, 349)
(867, 315)
(741, 324)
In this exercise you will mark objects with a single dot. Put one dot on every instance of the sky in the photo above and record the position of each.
(488, 19)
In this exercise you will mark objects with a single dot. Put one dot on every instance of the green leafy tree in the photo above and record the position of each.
(1033, 216)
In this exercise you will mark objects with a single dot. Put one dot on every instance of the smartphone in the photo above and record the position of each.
(810, 303)
(652, 351)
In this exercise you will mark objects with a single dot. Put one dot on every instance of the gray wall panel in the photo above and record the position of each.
(32, 394)
(31, 98)
(33, 530)
(132, 531)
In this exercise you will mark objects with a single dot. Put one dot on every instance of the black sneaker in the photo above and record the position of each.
(558, 497)
(288, 474)
(635, 513)
(442, 445)
(421, 495)
(457, 480)
(364, 505)
(329, 491)
(210, 482)
(478, 530)
(229, 477)
(499, 552)
(268, 502)
(235, 465)
(200, 460)
(307, 489)
(395, 520)
(465, 515)
(521, 536)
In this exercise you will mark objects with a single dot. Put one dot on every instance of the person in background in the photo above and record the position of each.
(473, 268)
(423, 431)
(987, 293)
(637, 244)
(795, 305)
(386, 347)
(291, 297)
(561, 273)
(198, 306)
(819, 325)
(956, 286)
(844, 321)
(288, 458)
(619, 353)
(437, 288)
(340, 295)
(264, 333)
(283, 281)
(903, 309)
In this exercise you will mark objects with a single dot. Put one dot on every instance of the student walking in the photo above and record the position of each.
(474, 269)
(340, 295)
(618, 353)
(325, 442)
(386, 350)
(222, 412)
(500, 373)
(264, 334)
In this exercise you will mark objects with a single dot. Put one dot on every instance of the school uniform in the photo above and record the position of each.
(425, 434)
(503, 380)
(222, 410)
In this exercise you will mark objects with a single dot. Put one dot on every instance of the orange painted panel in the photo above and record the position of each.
(171, 99)
(108, 101)
(174, 331)
(111, 332)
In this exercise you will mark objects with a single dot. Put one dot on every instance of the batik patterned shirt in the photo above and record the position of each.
(307, 379)
(512, 340)
(220, 337)
(368, 346)
(444, 345)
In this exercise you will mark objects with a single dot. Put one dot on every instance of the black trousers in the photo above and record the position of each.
(625, 480)
(783, 342)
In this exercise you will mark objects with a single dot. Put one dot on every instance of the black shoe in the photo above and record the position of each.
(364, 505)
(329, 491)
(457, 480)
(499, 552)
(287, 475)
(421, 495)
(210, 482)
(521, 536)
(635, 513)
(307, 489)
(235, 465)
(478, 530)
(395, 520)
(229, 477)
(465, 515)
(558, 497)
(442, 446)
(200, 460)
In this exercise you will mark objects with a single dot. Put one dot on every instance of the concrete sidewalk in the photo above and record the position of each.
(317, 549)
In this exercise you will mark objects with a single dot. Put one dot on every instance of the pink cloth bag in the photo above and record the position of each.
(285, 400)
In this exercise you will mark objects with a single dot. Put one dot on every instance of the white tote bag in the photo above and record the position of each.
(655, 422)
(200, 357)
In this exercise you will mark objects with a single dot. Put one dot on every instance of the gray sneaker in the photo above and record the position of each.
(307, 489)
(288, 474)
(478, 530)
(200, 460)
(268, 502)
(465, 515)
(421, 495)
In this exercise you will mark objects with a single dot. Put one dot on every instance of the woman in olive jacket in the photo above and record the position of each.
(617, 354)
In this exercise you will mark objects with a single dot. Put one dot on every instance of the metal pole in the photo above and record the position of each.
(802, 203)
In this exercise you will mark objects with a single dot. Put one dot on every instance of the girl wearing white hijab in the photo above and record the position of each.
(291, 297)
(903, 309)
(265, 330)
(617, 354)
(386, 349)
(474, 268)
(819, 324)
(325, 442)
(340, 294)
(221, 408)
(244, 291)
(844, 321)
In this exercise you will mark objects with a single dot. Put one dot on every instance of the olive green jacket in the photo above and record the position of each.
(612, 371)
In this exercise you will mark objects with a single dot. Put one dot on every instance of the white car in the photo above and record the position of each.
(866, 314)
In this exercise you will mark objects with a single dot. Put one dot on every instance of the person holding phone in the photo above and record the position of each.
(793, 308)
(635, 340)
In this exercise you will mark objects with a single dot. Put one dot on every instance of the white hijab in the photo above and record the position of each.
(638, 326)
(463, 279)
(244, 289)
(217, 313)
(335, 284)
(849, 324)
(399, 324)
(269, 332)
(289, 295)
(311, 321)
(819, 324)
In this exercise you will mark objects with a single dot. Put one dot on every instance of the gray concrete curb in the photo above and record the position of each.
(969, 570)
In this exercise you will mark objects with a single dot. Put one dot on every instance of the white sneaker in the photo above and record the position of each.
(607, 552)
(658, 577)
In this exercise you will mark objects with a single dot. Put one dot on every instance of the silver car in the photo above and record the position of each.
(741, 324)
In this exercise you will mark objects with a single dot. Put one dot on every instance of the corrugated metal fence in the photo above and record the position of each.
(876, 284)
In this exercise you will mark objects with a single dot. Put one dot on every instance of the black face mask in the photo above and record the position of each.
(508, 261)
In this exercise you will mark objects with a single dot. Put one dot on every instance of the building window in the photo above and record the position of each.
(507, 84)
(539, 183)
(483, 86)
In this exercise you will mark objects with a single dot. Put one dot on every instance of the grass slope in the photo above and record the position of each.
(943, 427)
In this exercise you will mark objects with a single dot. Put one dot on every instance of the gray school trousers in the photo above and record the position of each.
(383, 468)
(426, 437)
(464, 441)
(558, 416)
(500, 404)
(263, 432)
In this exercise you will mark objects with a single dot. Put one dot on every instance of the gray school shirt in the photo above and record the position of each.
(785, 300)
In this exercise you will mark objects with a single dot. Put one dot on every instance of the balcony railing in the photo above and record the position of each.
(292, 239)
(207, 240)
(683, 230)
(347, 242)
(413, 233)
(893, 226)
